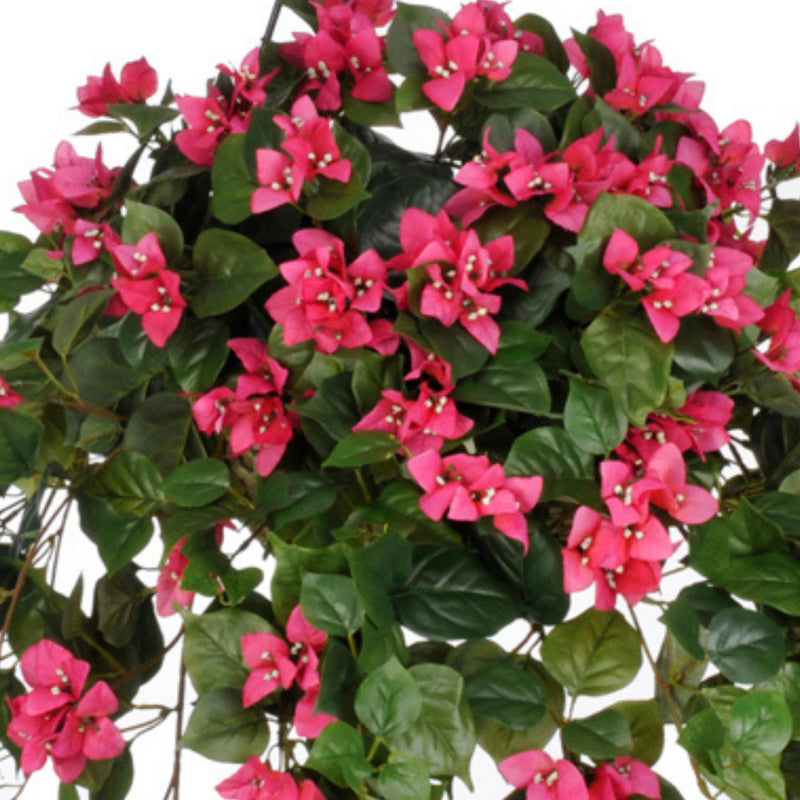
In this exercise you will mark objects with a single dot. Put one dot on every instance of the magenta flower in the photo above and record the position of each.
(633, 580)
(784, 153)
(210, 409)
(307, 643)
(624, 777)
(280, 178)
(781, 322)
(255, 780)
(307, 722)
(91, 238)
(264, 374)
(450, 65)
(726, 277)
(590, 546)
(544, 778)
(140, 260)
(8, 397)
(168, 584)
(267, 655)
(138, 81)
(260, 423)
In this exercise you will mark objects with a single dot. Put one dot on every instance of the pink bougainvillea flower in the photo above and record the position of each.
(140, 260)
(365, 63)
(428, 363)
(786, 152)
(307, 722)
(780, 321)
(138, 81)
(91, 238)
(544, 778)
(450, 65)
(209, 410)
(267, 655)
(255, 780)
(157, 299)
(708, 413)
(624, 777)
(280, 178)
(726, 277)
(87, 733)
(260, 422)
(168, 585)
(55, 676)
(34, 734)
(309, 791)
(8, 397)
(672, 299)
(683, 501)
(633, 580)
(590, 543)
(264, 374)
(307, 643)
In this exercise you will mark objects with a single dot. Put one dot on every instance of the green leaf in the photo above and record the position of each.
(141, 219)
(119, 781)
(549, 451)
(787, 683)
(443, 737)
(158, 428)
(593, 419)
(333, 406)
(534, 82)
(232, 183)
(229, 267)
(136, 347)
(119, 601)
(453, 344)
(403, 777)
(602, 736)
(291, 496)
(600, 60)
(511, 379)
(213, 648)
(646, 726)
(593, 654)
(769, 578)
(338, 754)
(702, 733)
(745, 645)
(339, 680)
(71, 321)
(449, 595)
(20, 439)
(130, 482)
(508, 695)
(196, 353)
(630, 361)
(783, 244)
(198, 482)
(362, 447)
(525, 222)
(553, 49)
(330, 602)
(370, 114)
(750, 775)
(220, 729)
(761, 721)
(119, 537)
(388, 702)
(400, 49)
(101, 373)
(18, 354)
(703, 349)
(379, 569)
(146, 118)
(14, 280)
(782, 508)
(67, 791)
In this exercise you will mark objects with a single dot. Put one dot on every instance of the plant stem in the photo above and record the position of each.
(175, 781)
(273, 21)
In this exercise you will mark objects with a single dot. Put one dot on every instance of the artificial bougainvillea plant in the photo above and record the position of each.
(433, 394)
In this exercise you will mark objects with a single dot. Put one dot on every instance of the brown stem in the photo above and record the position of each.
(132, 673)
(175, 781)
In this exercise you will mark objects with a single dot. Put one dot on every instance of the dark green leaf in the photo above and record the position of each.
(158, 428)
(330, 602)
(593, 654)
(783, 244)
(231, 181)
(71, 321)
(534, 82)
(443, 736)
(229, 267)
(141, 219)
(362, 447)
(196, 353)
(400, 49)
(389, 701)
(600, 60)
(745, 645)
(628, 358)
(136, 347)
(508, 695)
(338, 754)
(220, 729)
(119, 601)
(525, 222)
(646, 726)
(213, 648)
(553, 49)
(198, 482)
(20, 439)
(602, 736)
(593, 419)
(130, 482)
(703, 349)
(119, 781)
(102, 375)
(449, 595)
(146, 118)
(333, 406)
(403, 777)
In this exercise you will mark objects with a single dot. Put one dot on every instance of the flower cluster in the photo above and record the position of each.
(481, 42)
(254, 410)
(546, 778)
(623, 552)
(675, 292)
(568, 181)
(138, 81)
(326, 298)
(57, 718)
(276, 662)
(643, 81)
(468, 487)
(310, 149)
(782, 353)
(346, 44)
(75, 187)
(222, 111)
(145, 286)
(255, 780)
(452, 276)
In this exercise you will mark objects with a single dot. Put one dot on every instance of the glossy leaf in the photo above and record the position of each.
(141, 219)
(593, 419)
(362, 447)
(761, 721)
(330, 603)
(338, 754)
(507, 694)
(198, 482)
(20, 439)
(389, 701)
(604, 735)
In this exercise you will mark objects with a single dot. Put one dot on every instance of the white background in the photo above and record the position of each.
(746, 54)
